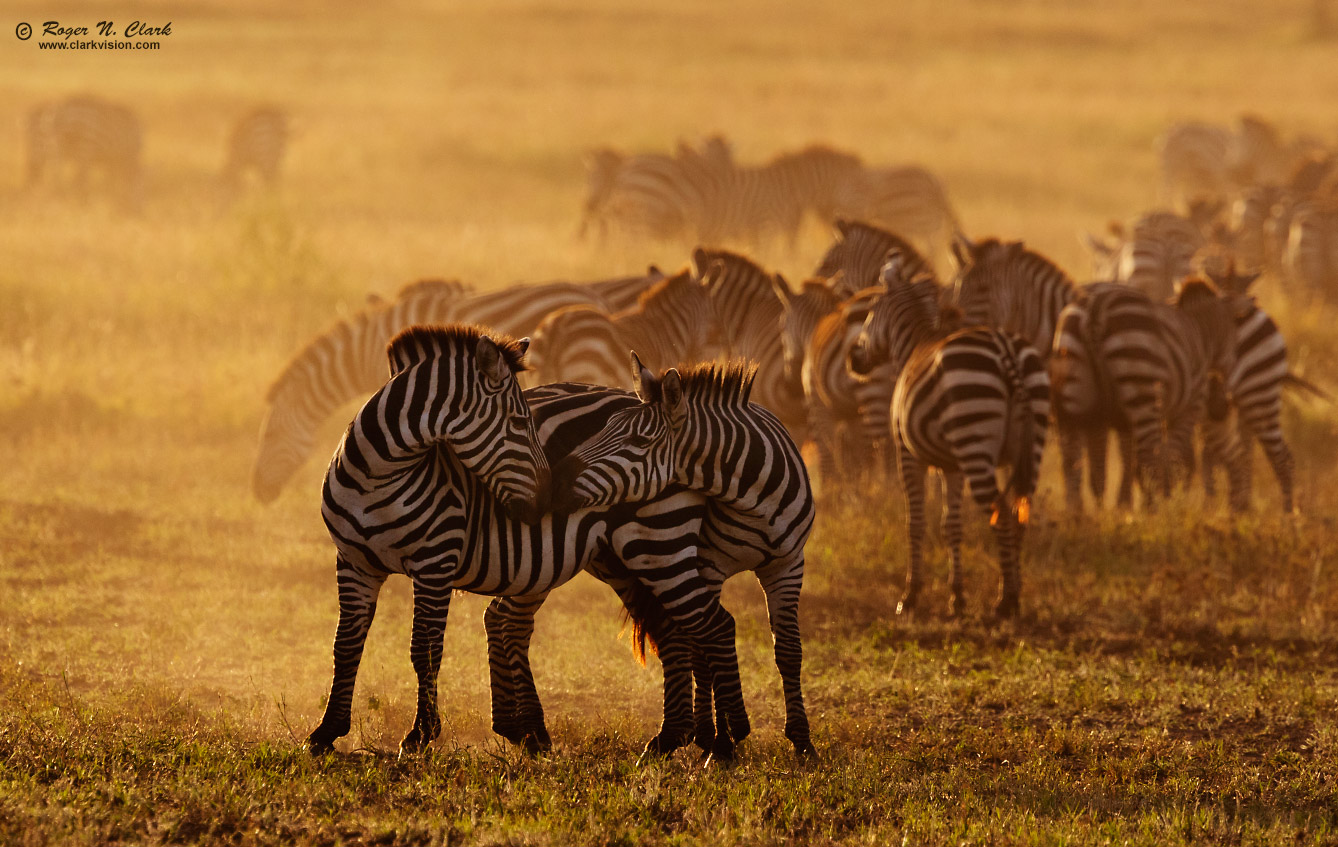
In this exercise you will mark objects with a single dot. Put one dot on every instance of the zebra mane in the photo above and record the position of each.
(702, 258)
(728, 384)
(422, 342)
(656, 290)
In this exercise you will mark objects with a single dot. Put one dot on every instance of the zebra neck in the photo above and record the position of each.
(659, 344)
(398, 428)
(725, 453)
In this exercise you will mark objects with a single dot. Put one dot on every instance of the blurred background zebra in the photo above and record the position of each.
(86, 143)
(255, 149)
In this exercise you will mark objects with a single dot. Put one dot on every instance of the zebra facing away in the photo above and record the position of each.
(86, 138)
(1150, 371)
(967, 401)
(441, 477)
(858, 255)
(697, 429)
(256, 145)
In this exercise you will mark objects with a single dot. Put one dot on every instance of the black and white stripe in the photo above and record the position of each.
(855, 259)
(347, 361)
(441, 478)
(966, 401)
(673, 322)
(698, 429)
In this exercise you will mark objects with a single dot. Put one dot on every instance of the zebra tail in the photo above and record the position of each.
(646, 614)
(1022, 482)
(1291, 380)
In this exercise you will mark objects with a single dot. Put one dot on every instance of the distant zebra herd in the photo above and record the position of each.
(89, 144)
(658, 445)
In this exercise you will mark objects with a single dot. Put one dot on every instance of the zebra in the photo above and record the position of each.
(1254, 386)
(757, 201)
(1310, 258)
(967, 401)
(1193, 161)
(908, 200)
(1149, 370)
(1159, 253)
(1006, 285)
(697, 428)
(345, 362)
(656, 195)
(673, 322)
(748, 308)
(93, 138)
(441, 477)
(858, 255)
(257, 144)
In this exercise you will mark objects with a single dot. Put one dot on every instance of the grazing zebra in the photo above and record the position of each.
(697, 428)
(673, 322)
(256, 145)
(908, 200)
(756, 201)
(1005, 285)
(441, 478)
(748, 311)
(858, 255)
(1149, 370)
(651, 194)
(344, 363)
(966, 401)
(92, 138)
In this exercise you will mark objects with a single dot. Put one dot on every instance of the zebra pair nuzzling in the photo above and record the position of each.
(441, 478)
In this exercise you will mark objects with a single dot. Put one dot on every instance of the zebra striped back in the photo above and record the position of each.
(347, 361)
(672, 323)
(967, 401)
(1159, 253)
(859, 253)
(256, 146)
(83, 138)
(748, 308)
(1005, 285)
(907, 200)
(1310, 260)
(1194, 161)
(800, 314)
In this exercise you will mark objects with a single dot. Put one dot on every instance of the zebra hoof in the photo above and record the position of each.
(318, 748)
(722, 752)
(537, 741)
(509, 731)
(956, 605)
(1007, 608)
(704, 737)
(739, 727)
(907, 605)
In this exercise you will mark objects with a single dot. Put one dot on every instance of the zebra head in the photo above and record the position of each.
(461, 390)
(800, 316)
(903, 315)
(632, 458)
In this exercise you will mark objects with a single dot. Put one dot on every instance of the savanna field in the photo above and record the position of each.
(165, 639)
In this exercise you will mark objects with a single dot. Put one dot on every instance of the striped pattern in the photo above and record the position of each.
(670, 198)
(82, 139)
(1005, 285)
(1310, 260)
(967, 402)
(699, 430)
(1144, 369)
(672, 323)
(441, 478)
(907, 200)
(859, 253)
(345, 362)
(1159, 253)
(256, 146)
(748, 310)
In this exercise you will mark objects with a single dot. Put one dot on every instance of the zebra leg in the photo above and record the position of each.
(1070, 451)
(952, 532)
(1214, 450)
(1097, 437)
(1129, 469)
(913, 484)
(358, 591)
(431, 602)
(517, 713)
(1003, 520)
(1262, 423)
(782, 581)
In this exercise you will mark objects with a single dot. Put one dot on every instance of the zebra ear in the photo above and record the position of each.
(654, 272)
(644, 383)
(782, 289)
(963, 250)
(671, 398)
(523, 346)
(842, 227)
(699, 260)
(490, 359)
(890, 274)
